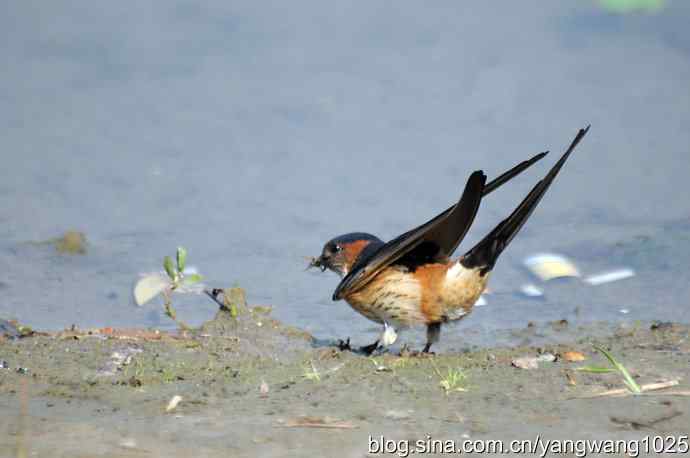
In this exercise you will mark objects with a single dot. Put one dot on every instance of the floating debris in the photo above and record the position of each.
(72, 242)
(531, 290)
(547, 266)
(172, 405)
(525, 362)
(263, 388)
(573, 356)
(608, 277)
(4, 364)
(624, 311)
(22, 370)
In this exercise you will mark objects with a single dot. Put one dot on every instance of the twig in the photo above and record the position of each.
(311, 422)
(643, 388)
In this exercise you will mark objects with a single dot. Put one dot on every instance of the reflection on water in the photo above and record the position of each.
(251, 136)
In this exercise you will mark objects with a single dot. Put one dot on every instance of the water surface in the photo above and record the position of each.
(252, 134)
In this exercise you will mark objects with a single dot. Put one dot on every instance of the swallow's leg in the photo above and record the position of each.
(433, 334)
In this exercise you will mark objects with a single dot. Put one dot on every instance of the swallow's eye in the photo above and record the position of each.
(337, 249)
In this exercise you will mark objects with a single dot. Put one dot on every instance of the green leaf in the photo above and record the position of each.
(181, 258)
(627, 378)
(192, 278)
(595, 369)
(169, 268)
(149, 287)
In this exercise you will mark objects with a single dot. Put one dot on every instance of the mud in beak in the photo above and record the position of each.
(319, 263)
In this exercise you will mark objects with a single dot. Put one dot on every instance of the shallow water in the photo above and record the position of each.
(252, 135)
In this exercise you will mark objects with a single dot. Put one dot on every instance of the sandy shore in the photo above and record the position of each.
(254, 387)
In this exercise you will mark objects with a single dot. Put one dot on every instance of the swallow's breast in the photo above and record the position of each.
(432, 293)
(393, 296)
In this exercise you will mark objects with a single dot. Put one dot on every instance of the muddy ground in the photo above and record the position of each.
(254, 387)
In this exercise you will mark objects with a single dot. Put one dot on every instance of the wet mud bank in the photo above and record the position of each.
(252, 386)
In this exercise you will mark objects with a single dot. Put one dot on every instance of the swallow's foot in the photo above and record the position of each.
(425, 353)
(344, 345)
(367, 350)
(420, 354)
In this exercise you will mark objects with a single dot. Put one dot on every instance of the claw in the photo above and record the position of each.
(344, 345)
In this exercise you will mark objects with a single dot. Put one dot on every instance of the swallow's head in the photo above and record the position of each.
(340, 253)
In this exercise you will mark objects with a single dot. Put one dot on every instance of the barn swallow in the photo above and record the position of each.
(411, 280)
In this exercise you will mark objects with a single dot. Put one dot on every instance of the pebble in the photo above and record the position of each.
(398, 414)
(526, 362)
(546, 357)
(573, 356)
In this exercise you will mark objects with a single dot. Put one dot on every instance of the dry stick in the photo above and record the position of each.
(22, 437)
(647, 387)
(317, 423)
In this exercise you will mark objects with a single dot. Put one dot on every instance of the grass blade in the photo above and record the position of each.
(627, 378)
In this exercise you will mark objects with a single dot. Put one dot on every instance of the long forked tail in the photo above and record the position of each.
(485, 253)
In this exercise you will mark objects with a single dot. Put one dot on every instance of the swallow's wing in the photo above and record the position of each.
(457, 221)
(454, 239)
(435, 239)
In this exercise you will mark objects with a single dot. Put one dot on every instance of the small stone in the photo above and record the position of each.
(525, 362)
(128, 442)
(397, 414)
(573, 356)
(546, 357)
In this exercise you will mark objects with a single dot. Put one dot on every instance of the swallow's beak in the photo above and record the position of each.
(318, 263)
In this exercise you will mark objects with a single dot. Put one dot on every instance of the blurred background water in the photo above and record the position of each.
(252, 132)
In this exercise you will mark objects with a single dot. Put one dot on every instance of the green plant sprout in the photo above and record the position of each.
(311, 373)
(454, 381)
(151, 285)
(627, 378)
